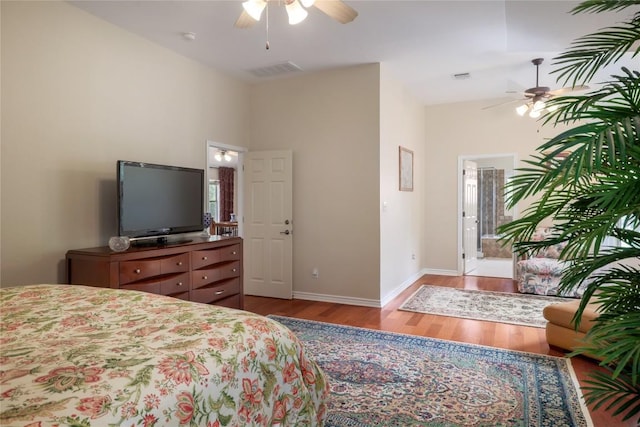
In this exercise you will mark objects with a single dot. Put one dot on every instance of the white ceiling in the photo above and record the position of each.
(423, 43)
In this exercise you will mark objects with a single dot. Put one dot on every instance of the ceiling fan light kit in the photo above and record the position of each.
(222, 155)
(254, 8)
(521, 110)
(296, 10)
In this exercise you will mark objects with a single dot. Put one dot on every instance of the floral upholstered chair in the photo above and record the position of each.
(540, 274)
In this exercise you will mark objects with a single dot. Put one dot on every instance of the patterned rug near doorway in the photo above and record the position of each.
(386, 379)
(517, 309)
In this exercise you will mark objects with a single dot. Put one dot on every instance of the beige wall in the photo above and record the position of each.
(402, 122)
(77, 95)
(331, 121)
(465, 129)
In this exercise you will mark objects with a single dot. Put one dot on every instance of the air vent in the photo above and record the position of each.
(275, 70)
(462, 76)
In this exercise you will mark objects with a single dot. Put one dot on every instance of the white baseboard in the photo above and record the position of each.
(404, 285)
(364, 302)
(441, 272)
(337, 299)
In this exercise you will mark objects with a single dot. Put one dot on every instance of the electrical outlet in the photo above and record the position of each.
(315, 273)
(413, 256)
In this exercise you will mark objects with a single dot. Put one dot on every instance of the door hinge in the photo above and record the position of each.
(464, 214)
(463, 256)
(464, 172)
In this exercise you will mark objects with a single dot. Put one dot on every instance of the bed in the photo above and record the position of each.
(85, 356)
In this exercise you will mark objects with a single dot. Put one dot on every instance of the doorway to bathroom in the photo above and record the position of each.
(483, 210)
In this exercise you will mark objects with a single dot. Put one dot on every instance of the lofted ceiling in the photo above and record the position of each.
(423, 44)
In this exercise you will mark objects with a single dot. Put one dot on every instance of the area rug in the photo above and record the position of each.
(517, 309)
(386, 379)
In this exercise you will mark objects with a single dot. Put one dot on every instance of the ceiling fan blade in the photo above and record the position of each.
(244, 20)
(563, 90)
(337, 10)
(504, 103)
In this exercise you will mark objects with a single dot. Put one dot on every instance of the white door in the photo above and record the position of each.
(268, 242)
(470, 216)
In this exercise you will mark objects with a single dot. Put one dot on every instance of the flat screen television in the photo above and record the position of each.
(159, 200)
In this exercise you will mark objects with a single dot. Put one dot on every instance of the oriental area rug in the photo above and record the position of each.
(387, 379)
(517, 309)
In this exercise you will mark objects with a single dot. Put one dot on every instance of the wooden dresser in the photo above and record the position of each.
(207, 270)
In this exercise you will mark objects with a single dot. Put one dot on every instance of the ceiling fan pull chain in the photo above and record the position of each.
(267, 25)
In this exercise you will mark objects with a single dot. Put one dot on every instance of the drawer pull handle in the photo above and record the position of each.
(179, 263)
(204, 277)
(234, 253)
(137, 271)
(234, 269)
(179, 284)
(219, 292)
(204, 258)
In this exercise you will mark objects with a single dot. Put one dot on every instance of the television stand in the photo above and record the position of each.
(205, 270)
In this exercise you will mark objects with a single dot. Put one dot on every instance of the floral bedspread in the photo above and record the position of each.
(83, 356)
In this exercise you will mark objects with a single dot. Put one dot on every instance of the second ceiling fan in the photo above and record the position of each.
(537, 96)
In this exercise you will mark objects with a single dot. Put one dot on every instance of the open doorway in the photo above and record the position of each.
(482, 211)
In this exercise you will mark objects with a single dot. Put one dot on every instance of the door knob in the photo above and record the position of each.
(285, 232)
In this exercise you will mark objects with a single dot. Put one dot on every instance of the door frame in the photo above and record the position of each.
(460, 196)
(239, 186)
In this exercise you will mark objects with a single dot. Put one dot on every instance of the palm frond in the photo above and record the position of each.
(593, 52)
(597, 6)
(615, 100)
(586, 181)
(618, 392)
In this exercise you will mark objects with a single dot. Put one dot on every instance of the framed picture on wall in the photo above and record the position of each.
(406, 169)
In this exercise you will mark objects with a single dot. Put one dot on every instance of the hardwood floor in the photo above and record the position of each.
(389, 318)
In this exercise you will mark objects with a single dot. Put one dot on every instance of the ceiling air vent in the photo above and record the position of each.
(461, 76)
(275, 70)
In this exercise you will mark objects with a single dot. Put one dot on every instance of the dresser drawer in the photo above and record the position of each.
(200, 278)
(175, 264)
(133, 271)
(200, 259)
(216, 292)
(175, 284)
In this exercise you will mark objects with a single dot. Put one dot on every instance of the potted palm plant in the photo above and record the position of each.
(586, 180)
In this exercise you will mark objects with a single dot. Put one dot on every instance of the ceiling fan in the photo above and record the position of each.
(296, 10)
(535, 97)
